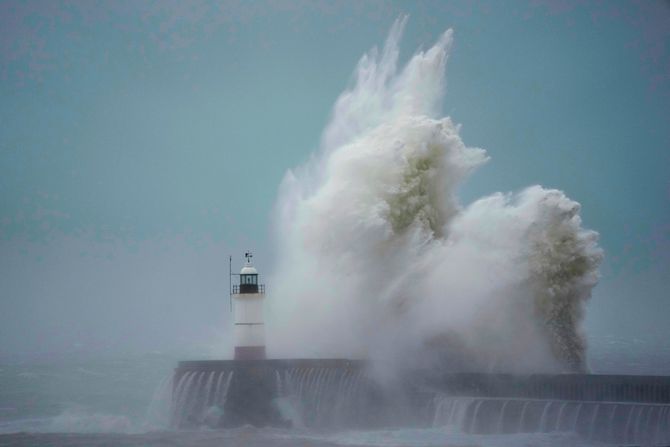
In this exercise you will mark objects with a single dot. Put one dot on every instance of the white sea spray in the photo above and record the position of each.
(378, 258)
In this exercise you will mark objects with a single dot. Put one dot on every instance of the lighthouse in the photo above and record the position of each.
(247, 302)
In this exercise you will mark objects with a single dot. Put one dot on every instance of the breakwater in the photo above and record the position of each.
(340, 393)
(579, 387)
(230, 393)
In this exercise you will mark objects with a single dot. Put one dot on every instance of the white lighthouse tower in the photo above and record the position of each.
(247, 302)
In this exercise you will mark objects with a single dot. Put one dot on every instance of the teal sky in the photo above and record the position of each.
(142, 142)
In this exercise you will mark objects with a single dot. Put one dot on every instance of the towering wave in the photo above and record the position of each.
(378, 259)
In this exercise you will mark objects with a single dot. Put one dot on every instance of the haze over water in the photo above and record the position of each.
(381, 249)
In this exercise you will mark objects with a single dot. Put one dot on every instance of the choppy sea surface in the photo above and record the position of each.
(125, 402)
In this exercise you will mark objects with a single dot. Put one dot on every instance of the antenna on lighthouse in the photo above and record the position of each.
(230, 282)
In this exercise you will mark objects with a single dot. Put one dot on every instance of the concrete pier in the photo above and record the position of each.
(246, 391)
(576, 387)
(338, 393)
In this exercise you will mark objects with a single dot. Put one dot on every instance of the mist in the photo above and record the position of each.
(379, 259)
(139, 128)
(82, 297)
(483, 200)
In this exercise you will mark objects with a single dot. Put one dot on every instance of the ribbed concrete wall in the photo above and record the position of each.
(249, 397)
(245, 392)
(576, 387)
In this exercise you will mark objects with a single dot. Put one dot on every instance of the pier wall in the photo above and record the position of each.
(339, 392)
(574, 387)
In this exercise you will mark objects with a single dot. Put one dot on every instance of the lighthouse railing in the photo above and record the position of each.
(236, 288)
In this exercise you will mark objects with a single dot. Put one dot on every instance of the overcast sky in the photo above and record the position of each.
(141, 143)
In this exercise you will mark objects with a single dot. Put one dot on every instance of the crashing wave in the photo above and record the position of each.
(378, 259)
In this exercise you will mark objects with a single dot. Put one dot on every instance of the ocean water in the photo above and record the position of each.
(274, 437)
(125, 402)
(94, 396)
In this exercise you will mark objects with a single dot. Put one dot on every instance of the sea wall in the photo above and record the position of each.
(340, 393)
(228, 393)
(573, 387)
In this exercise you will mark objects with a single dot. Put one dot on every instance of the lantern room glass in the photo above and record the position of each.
(249, 279)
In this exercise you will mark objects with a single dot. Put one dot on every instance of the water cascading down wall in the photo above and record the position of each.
(341, 394)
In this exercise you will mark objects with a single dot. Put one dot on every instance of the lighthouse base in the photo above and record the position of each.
(249, 352)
